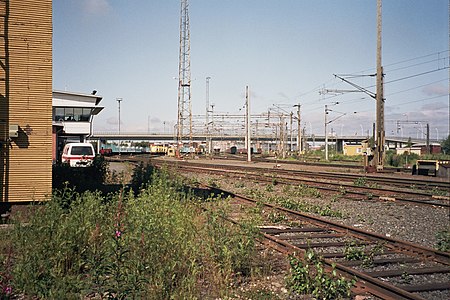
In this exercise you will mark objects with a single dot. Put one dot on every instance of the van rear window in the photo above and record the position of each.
(82, 150)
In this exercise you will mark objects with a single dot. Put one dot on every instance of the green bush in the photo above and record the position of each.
(157, 245)
(308, 276)
(396, 160)
(83, 178)
(142, 175)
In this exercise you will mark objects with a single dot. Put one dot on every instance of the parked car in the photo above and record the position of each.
(78, 154)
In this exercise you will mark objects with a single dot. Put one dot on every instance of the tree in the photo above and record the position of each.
(445, 144)
(409, 143)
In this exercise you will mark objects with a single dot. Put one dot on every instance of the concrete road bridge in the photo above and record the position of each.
(391, 142)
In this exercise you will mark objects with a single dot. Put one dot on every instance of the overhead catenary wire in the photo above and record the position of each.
(416, 65)
(440, 55)
(415, 75)
(423, 99)
(398, 79)
(310, 104)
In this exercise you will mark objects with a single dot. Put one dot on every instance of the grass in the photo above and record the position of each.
(301, 206)
(158, 244)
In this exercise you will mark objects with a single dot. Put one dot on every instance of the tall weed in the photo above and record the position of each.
(157, 245)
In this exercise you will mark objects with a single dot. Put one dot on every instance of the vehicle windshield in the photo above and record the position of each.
(82, 150)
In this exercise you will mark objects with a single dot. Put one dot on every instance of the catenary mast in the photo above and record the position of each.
(380, 133)
(184, 122)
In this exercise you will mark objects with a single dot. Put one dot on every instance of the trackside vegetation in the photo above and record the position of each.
(308, 276)
(156, 238)
(81, 179)
(158, 244)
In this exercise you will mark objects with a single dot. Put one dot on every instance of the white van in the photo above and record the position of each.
(78, 154)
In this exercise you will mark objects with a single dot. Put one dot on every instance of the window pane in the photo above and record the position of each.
(86, 114)
(68, 116)
(77, 112)
(81, 150)
(58, 114)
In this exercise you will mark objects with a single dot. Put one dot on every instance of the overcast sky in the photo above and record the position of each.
(285, 50)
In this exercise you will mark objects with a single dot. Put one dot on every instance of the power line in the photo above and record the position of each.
(416, 87)
(410, 59)
(423, 99)
(415, 65)
(321, 86)
(416, 75)
(419, 57)
(398, 79)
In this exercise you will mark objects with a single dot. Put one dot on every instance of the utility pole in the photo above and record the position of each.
(290, 131)
(341, 114)
(299, 130)
(326, 133)
(120, 141)
(247, 108)
(184, 80)
(282, 136)
(380, 135)
(379, 132)
(208, 138)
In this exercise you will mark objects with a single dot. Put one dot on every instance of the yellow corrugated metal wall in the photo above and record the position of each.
(27, 161)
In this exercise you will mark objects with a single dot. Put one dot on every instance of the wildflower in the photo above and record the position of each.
(118, 233)
(7, 290)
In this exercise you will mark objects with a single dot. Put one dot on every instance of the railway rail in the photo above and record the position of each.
(411, 182)
(386, 268)
(331, 182)
(311, 161)
(398, 181)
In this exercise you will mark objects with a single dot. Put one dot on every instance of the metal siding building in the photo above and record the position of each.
(26, 99)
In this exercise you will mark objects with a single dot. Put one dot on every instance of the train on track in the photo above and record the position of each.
(111, 149)
(154, 149)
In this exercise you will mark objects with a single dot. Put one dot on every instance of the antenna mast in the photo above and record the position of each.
(184, 123)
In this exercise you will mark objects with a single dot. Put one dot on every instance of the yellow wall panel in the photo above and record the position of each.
(27, 171)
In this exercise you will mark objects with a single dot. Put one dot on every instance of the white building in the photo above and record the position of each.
(72, 117)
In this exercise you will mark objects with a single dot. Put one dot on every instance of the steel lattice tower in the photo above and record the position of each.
(184, 125)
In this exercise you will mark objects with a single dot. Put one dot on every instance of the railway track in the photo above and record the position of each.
(347, 164)
(313, 161)
(419, 183)
(415, 182)
(327, 181)
(384, 267)
(399, 182)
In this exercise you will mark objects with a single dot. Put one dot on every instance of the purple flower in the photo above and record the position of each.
(118, 233)
(8, 290)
